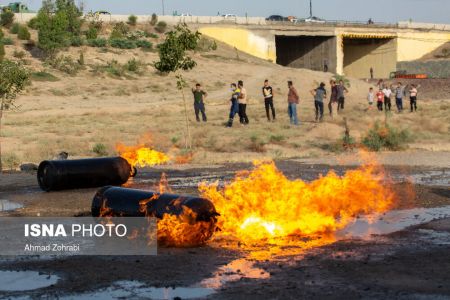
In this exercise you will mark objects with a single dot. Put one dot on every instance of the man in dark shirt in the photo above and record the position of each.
(319, 95)
(199, 104)
(268, 99)
(341, 90)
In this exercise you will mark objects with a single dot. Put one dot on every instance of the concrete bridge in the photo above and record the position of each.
(344, 48)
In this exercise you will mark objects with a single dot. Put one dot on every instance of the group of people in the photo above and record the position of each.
(239, 101)
(386, 92)
(336, 101)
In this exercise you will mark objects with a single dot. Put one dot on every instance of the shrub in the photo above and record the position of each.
(161, 27)
(122, 44)
(344, 79)
(92, 33)
(23, 33)
(144, 44)
(256, 145)
(385, 137)
(81, 59)
(99, 42)
(132, 20)
(133, 65)
(135, 35)
(33, 23)
(19, 54)
(100, 149)
(276, 139)
(11, 161)
(65, 64)
(205, 44)
(7, 41)
(119, 31)
(6, 18)
(152, 35)
(1, 33)
(14, 28)
(43, 76)
(114, 68)
(154, 19)
(77, 41)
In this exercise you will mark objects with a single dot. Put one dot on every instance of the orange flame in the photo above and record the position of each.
(263, 204)
(179, 230)
(183, 230)
(141, 156)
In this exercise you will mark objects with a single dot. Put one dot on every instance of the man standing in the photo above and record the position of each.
(413, 97)
(319, 94)
(333, 97)
(199, 104)
(242, 99)
(293, 100)
(399, 93)
(268, 99)
(371, 72)
(387, 98)
(380, 98)
(341, 90)
(234, 109)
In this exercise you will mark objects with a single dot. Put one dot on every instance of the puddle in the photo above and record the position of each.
(12, 281)
(432, 178)
(234, 271)
(435, 237)
(6, 205)
(136, 289)
(392, 221)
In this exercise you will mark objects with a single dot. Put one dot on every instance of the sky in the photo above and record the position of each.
(431, 11)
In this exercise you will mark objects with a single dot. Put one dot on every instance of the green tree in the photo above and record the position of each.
(173, 58)
(13, 79)
(58, 23)
(6, 18)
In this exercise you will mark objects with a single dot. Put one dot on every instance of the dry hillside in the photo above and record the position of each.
(101, 104)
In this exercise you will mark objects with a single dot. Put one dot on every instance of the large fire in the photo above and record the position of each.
(263, 204)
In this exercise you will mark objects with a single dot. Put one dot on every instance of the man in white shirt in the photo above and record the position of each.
(387, 98)
(413, 97)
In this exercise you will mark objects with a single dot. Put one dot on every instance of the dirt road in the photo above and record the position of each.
(411, 263)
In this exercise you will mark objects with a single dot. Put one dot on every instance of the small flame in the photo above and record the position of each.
(263, 204)
(141, 156)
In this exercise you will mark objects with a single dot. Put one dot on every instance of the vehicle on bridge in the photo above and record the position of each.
(229, 16)
(404, 75)
(16, 7)
(311, 20)
(276, 18)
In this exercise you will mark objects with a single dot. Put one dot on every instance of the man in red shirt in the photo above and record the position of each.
(380, 99)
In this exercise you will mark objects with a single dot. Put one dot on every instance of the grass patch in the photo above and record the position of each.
(43, 76)
(100, 149)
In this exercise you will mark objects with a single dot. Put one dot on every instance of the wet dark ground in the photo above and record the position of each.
(412, 263)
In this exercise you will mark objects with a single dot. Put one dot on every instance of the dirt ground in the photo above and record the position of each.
(412, 263)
